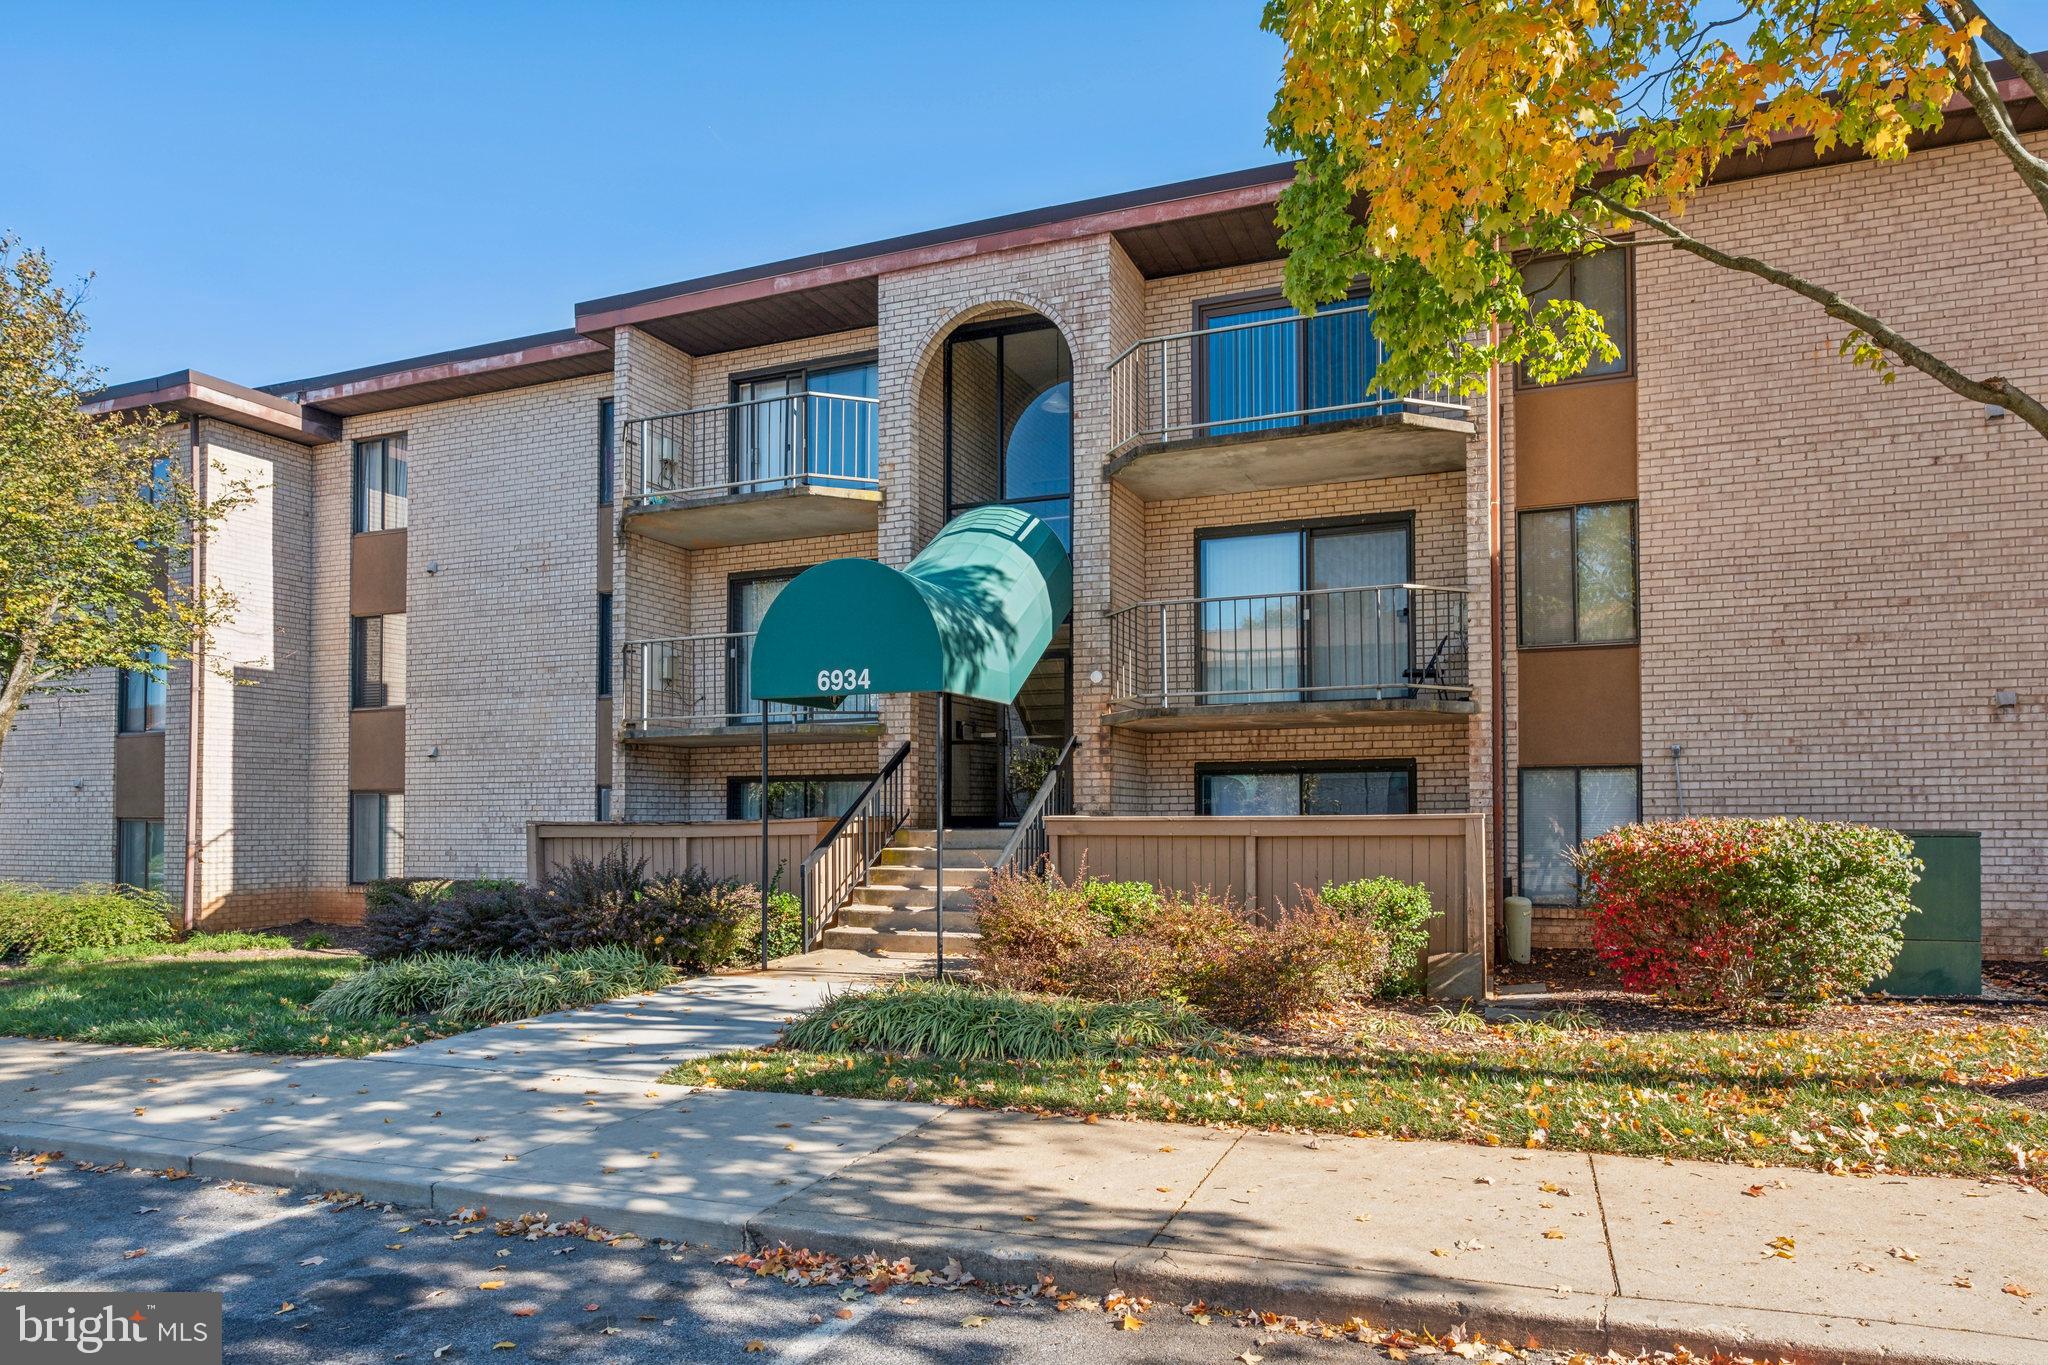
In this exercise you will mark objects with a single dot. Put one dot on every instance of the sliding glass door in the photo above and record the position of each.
(1315, 613)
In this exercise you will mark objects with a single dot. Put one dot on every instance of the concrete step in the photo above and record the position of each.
(924, 855)
(906, 921)
(896, 941)
(911, 897)
(976, 874)
(956, 838)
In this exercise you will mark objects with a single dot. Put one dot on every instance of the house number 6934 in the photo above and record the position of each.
(833, 681)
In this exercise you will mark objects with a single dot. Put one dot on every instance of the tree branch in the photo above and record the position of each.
(1981, 89)
(2023, 64)
(1997, 391)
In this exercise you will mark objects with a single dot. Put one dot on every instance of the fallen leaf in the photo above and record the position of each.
(843, 1314)
(1553, 1234)
(1781, 1248)
(504, 1346)
(284, 1307)
(2018, 1291)
(975, 1320)
(1755, 1191)
(131, 1255)
(525, 1310)
(1962, 1282)
(756, 1346)
(314, 1260)
(1130, 1324)
(492, 1284)
(1904, 1254)
(1251, 1358)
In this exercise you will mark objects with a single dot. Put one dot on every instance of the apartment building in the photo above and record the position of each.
(519, 583)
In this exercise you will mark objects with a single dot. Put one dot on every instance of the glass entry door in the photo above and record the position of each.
(767, 438)
(997, 756)
(1308, 614)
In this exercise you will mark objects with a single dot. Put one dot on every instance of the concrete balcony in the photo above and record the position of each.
(690, 691)
(1277, 403)
(782, 468)
(1388, 654)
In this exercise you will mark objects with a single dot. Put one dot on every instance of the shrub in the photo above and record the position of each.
(474, 991)
(692, 920)
(1727, 912)
(398, 912)
(585, 903)
(1400, 910)
(1314, 957)
(785, 931)
(1038, 934)
(480, 919)
(958, 1023)
(1029, 927)
(1120, 905)
(38, 921)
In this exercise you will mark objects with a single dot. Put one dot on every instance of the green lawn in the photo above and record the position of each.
(1887, 1099)
(246, 1003)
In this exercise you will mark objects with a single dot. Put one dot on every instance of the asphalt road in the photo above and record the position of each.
(316, 1282)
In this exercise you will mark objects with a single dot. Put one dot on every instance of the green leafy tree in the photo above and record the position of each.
(95, 522)
(1442, 142)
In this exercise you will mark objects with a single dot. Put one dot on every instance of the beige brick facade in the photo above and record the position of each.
(1836, 577)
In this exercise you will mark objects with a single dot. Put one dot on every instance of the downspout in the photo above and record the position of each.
(1498, 629)
(195, 716)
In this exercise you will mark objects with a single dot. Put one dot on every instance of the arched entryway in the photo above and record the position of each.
(1007, 409)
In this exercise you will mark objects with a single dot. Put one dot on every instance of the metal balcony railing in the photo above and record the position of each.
(757, 445)
(701, 682)
(1272, 374)
(1391, 642)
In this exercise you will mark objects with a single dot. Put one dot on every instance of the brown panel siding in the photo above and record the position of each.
(376, 750)
(376, 573)
(1581, 706)
(139, 776)
(1575, 443)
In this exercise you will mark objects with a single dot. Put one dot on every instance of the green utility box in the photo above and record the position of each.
(1944, 952)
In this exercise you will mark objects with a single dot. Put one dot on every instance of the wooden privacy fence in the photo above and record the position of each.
(724, 848)
(1262, 860)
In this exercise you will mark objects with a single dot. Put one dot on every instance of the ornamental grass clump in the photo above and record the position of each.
(948, 1021)
(1731, 912)
(483, 990)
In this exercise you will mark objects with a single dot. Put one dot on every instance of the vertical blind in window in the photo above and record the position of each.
(377, 661)
(1577, 574)
(1560, 809)
(380, 484)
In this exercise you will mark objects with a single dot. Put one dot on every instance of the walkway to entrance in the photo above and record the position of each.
(640, 1037)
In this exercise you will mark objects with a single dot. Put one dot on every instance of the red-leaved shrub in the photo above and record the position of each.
(1728, 912)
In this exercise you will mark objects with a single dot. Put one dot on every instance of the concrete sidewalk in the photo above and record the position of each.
(1576, 1250)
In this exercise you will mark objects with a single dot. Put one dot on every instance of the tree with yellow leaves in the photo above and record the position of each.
(95, 522)
(1443, 142)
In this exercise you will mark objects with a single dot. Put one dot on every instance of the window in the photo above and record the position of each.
(376, 661)
(817, 424)
(1577, 574)
(607, 453)
(1010, 421)
(1279, 621)
(1283, 374)
(604, 644)
(1561, 808)
(793, 798)
(142, 694)
(1601, 282)
(1319, 789)
(604, 804)
(139, 854)
(380, 484)
(748, 598)
(376, 835)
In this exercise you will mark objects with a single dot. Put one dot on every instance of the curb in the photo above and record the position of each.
(1583, 1321)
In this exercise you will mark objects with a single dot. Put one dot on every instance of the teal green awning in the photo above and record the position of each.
(971, 615)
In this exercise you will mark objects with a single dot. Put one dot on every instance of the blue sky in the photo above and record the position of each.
(266, 192)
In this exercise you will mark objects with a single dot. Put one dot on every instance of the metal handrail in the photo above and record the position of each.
(841, 860)
(751, 444)
(1160, 384)
(699, 681)
(1389, 641)
(1055, 796)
